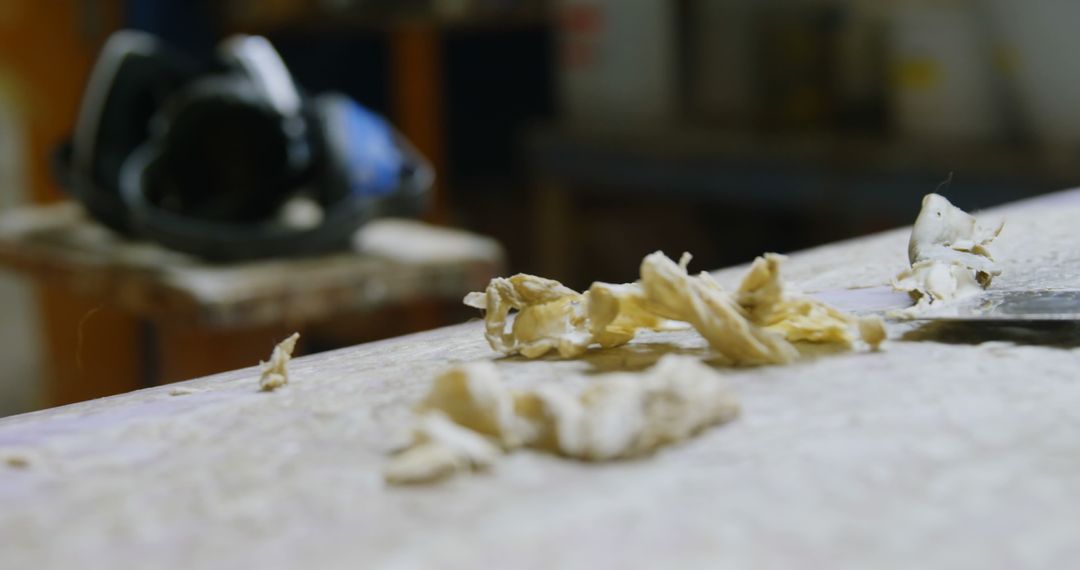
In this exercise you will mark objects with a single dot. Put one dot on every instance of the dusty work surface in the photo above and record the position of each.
(392, 261)
(955, 448)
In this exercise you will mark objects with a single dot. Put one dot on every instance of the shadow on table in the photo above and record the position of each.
(629, 357)
(1051, 334)
(638, 356)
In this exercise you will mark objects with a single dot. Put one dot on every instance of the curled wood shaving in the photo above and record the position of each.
(440, 448)
(630, 415)
(756, 324)
(712, 311)
(473, 396)
(552, 317)
(797, 317)
(275, 372)
(949, 254)
(872, 331)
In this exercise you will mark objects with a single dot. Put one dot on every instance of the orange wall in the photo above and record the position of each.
(46, 50)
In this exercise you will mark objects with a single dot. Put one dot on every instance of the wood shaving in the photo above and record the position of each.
(183, 391)
(619, 416)
(949, 254)
(275, 372)
(552, 317)
(800, 318)
(473, 396)
(16, 461)
(872, 330)
(757, 324)
(440, 448)
(627, 415)
(21, 458)
(713, 312)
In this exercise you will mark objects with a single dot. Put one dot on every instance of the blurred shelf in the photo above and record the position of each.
(377, 21)
(791, 171)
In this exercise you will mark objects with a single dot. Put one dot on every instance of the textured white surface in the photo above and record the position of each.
(929, 454)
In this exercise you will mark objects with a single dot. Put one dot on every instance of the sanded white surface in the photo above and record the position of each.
(930, 454)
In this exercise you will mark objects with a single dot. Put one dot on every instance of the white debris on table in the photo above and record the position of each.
(949, 254)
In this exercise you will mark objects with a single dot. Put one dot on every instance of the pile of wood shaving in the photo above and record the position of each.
(470, 417)
(756, 324)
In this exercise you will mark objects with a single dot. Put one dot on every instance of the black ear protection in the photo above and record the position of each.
(236, 162)
(133, 77)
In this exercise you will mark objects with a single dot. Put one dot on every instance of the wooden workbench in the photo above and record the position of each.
(955, 447)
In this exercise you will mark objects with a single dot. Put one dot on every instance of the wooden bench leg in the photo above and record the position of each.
(184, 352)
(417, 91)
(553, 231)
(91, 350)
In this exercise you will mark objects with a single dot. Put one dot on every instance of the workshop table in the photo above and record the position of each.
(953, 447)
(194, 317)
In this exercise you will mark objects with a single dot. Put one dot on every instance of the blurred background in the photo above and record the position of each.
(578, 135)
